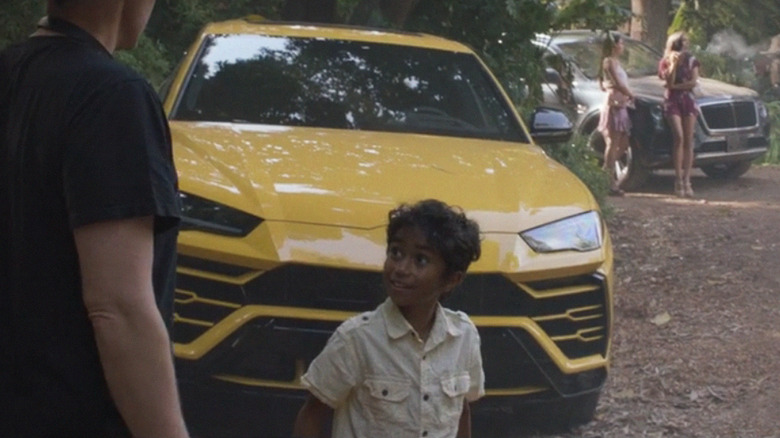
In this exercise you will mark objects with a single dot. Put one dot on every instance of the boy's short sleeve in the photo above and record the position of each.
(334, 372)
(476, 373)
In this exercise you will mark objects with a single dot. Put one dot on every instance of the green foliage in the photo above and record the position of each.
(578, 157)
(773, 155)
(501, 31)
(593, 15)
(726, 69)
(17, 20)
(175, 23)
(756, 20)
(149, 59)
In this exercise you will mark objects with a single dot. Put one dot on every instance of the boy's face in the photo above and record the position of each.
(414, 272)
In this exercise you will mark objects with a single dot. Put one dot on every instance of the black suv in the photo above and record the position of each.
(733, 126)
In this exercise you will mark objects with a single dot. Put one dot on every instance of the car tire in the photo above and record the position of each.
(630, 172)
(727, 170)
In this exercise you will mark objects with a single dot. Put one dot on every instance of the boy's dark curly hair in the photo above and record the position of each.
(446, 228)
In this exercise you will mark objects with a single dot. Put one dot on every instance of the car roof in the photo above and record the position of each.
(256, 25)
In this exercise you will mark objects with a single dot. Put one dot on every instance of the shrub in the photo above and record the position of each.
(579, 158)
(773, 155)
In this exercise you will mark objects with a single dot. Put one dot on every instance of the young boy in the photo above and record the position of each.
(410, 367)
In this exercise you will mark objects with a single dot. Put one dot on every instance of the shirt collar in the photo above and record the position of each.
(397, 326)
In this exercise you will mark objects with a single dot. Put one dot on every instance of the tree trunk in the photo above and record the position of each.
(651, 21)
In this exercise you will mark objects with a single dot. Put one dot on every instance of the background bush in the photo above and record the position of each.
(585, 163)
(773, 156)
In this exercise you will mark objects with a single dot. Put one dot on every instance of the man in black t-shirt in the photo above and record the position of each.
(89, 215)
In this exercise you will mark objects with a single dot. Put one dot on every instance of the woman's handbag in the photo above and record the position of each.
(618, 99)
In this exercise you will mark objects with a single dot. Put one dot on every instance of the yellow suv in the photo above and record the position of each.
(292, 143)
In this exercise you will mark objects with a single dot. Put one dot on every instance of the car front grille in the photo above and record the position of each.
(572, 313)
(731, 115)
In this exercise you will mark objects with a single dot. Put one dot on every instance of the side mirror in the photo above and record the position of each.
(550, 125)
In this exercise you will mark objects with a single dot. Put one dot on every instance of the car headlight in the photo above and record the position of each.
(203, 215)
(762, 111)
(576, 233)
(657, 113)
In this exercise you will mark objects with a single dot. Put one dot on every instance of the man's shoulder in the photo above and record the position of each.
(61, 62)
(77, 61)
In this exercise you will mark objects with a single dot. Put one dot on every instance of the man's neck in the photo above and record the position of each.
(102, 22)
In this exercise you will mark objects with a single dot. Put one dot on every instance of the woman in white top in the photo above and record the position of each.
(614, 123)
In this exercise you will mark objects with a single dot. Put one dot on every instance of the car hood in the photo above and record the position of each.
(352, 178)
(652, 86)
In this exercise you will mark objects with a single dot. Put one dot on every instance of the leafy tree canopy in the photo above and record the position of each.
(755, 20)
(500, 30)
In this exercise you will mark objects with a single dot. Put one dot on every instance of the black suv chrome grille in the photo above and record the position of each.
(729, 115)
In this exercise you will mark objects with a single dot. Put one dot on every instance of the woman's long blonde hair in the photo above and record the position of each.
(674, 44)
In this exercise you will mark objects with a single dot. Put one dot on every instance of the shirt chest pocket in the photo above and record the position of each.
(453, 392)
(386, 400)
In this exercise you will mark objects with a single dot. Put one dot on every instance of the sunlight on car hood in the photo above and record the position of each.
(352, 178)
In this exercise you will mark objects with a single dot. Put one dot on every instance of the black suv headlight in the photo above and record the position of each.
(211, 217)
(762, 110)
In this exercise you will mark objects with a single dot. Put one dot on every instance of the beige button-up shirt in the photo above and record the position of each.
(383, 381)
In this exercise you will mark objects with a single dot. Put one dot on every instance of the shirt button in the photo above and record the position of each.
(426, 397)
(425, 433)
(384, 392)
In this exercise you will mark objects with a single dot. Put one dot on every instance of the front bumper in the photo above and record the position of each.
(724, 134)
(244, 338)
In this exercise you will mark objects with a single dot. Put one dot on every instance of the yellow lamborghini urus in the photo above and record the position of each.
(292, 143)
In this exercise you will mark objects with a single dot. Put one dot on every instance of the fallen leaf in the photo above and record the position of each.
(661, 318)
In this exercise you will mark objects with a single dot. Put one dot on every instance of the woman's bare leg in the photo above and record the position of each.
(688, 126)
(611, 144)
(675, 124)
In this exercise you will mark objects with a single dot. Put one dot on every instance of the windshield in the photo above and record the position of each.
(637, 59)
(344, 85)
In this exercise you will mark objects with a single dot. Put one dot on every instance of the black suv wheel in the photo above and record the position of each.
(631, 174)
(727, 170)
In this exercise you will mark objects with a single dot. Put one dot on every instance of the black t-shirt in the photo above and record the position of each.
(83, 139)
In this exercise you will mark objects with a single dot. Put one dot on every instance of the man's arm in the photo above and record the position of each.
(116, 270)
(313, 417)
(464, 425)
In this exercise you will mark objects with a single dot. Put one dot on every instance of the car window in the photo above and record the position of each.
(638, 59)
(344, 85)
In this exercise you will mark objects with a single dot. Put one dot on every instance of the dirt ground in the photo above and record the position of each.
(696, 347)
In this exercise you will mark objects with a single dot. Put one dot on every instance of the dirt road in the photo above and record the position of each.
(696, 350)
